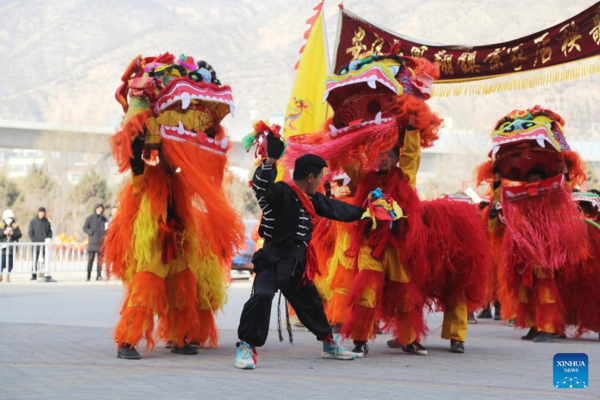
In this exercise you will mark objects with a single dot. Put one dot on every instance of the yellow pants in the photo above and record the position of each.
(545, 296)
(455, 321)
(393, 271)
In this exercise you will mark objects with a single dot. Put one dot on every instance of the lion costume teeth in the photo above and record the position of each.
(372, 99)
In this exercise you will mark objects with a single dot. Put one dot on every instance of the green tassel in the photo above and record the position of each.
(248, 140)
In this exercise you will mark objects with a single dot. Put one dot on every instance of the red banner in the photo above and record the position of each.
(576, 39)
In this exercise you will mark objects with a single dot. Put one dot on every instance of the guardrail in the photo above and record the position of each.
(43, 258)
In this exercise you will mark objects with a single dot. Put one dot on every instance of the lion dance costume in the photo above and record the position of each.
(581, 289)
(405, 251)
(549, 253)
(175, 233)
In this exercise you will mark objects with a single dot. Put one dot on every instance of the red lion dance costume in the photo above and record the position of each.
(581, 290)
(407, 252)
(546, 246)
(175, 233)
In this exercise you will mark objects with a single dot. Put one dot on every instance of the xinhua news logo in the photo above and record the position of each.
(571, 371)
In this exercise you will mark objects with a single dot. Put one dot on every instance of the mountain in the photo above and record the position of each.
(63, 60)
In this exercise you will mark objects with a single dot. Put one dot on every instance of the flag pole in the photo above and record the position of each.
(327, 56)
(326, 44)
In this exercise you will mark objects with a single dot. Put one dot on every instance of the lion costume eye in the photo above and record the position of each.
(527, 125)
(167, 78)
(507, 127)
(394, 69)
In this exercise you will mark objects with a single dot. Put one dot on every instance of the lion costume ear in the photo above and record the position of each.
(213, 74)
(485, 173)
(575, 167)
(134, 67)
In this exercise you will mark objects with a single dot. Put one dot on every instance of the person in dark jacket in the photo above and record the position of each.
(39, 230)
(95, 227)
(9, 233)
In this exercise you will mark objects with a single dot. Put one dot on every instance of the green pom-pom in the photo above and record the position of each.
(248, 140)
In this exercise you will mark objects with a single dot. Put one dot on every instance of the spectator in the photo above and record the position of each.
(9, 233)
(39, 230)
(113, 212)
(95, 227)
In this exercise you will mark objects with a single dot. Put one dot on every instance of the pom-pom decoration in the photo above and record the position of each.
(379, 207)
(258, 138)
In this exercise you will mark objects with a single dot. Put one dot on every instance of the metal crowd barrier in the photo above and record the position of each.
(43, 258)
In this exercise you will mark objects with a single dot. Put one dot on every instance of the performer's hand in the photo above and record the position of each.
(275, 146)
(496, 172)
(137, 148)
(136, 163)
(340, 191)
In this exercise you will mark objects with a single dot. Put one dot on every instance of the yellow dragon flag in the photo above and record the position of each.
(306, 112)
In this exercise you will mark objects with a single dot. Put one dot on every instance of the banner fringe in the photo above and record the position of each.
(518, 81)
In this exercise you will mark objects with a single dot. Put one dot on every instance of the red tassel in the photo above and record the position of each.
(580, 289)
(458, 253)
(544, 230)
(171, 232)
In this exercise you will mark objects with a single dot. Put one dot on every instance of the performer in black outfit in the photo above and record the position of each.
(287, 262)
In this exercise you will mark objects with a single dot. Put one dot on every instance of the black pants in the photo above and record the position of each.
(283, 270)
(37, 250)
(91, 257)
(3, 262)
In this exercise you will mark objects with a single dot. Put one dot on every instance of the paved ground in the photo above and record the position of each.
(56, 344)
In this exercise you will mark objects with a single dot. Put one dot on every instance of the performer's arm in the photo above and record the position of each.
(355, 172)
(136, 162)
(336, 209)
(410, 158)
(566, 173)
(497, 196)
(497, 188)
(138, 166)
(263, 182)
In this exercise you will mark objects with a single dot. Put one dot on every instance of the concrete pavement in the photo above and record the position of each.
(56, 344)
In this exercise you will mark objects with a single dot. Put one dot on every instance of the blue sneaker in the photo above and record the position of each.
(333, 351)
(245, 356)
